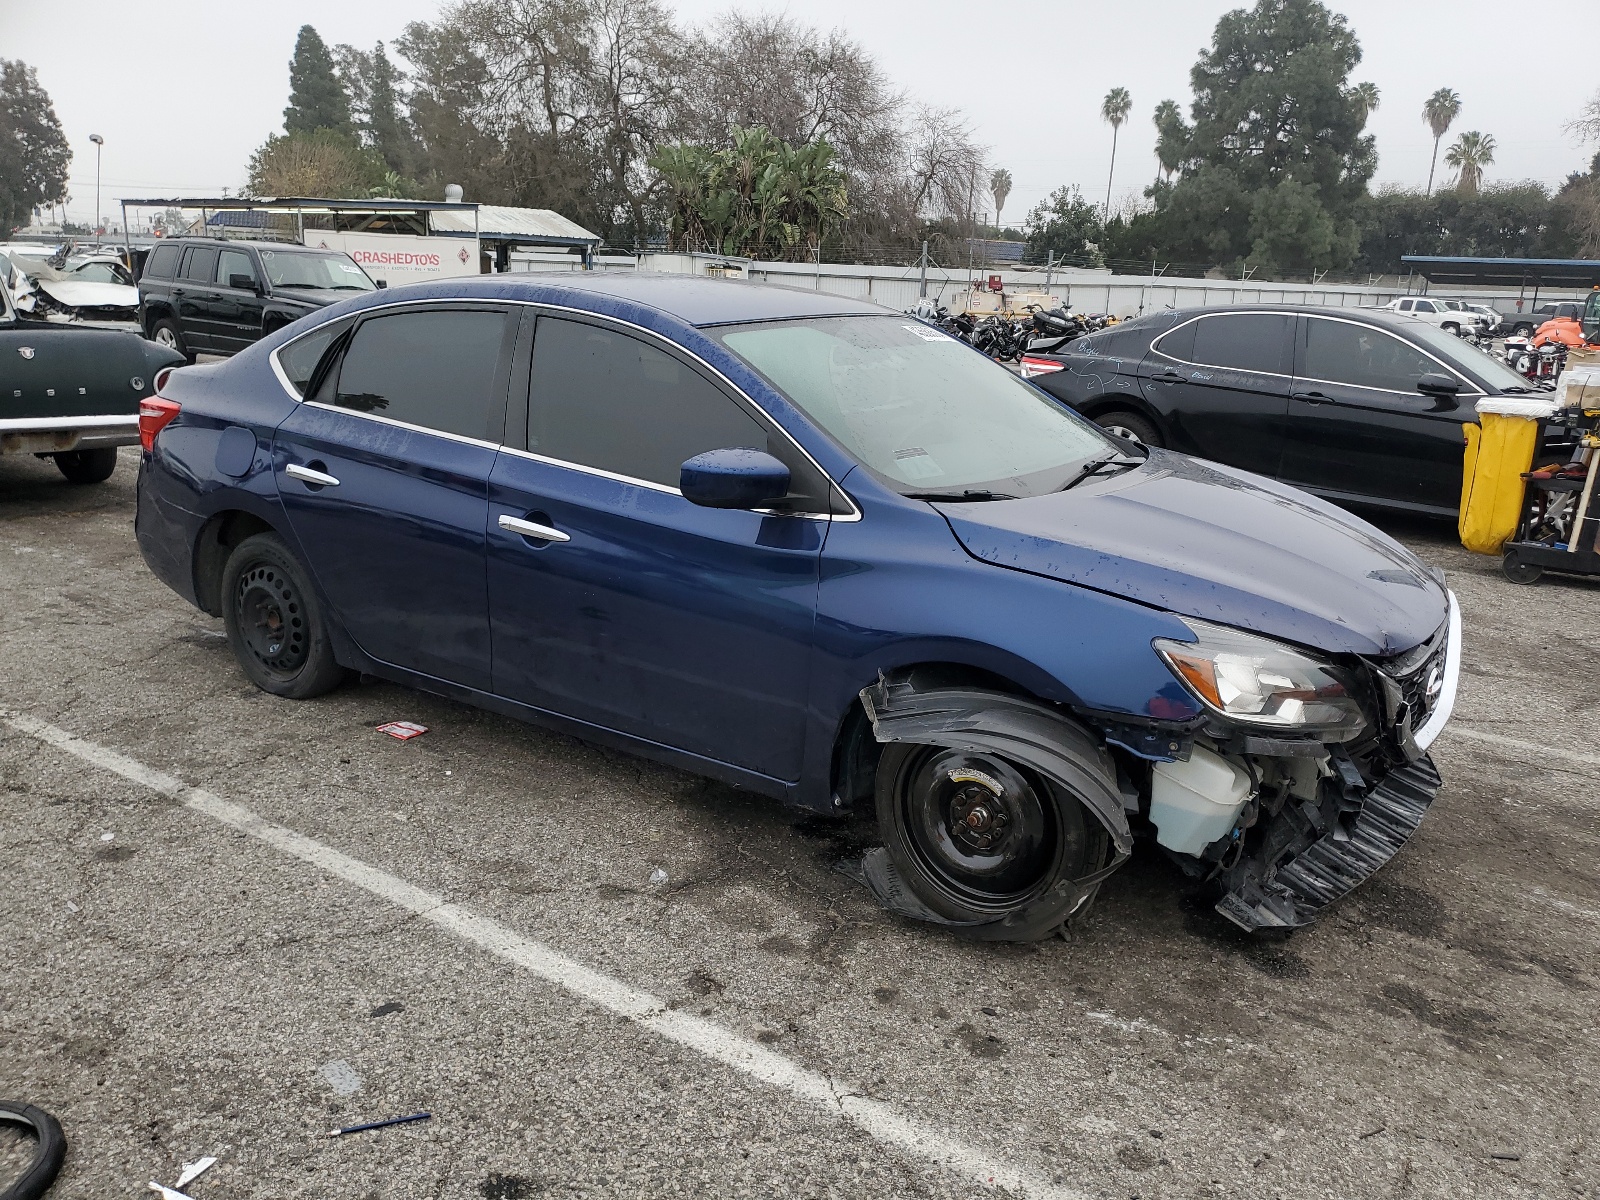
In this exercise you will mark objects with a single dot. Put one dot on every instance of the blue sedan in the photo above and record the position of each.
(821, 551)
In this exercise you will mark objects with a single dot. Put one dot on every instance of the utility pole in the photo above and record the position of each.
(98, 142)
(922, 287)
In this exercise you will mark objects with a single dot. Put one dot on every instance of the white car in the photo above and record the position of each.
(1452, 316)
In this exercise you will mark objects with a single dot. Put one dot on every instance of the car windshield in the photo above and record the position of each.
(329, 272)
(1449, 347)
(100, 272)
(922, 411)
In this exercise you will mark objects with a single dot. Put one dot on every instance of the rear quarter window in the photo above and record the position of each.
(163, 262)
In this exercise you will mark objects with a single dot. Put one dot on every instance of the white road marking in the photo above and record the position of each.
(1511, 743)
(877, 1118)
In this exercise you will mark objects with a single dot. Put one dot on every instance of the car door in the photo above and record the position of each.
(1221, 382)
(384, 475)
(193, 294)
(617, 602)
(236, 310)
(1358, 426)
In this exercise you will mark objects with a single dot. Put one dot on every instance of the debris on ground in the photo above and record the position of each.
(167, 1193)
(421, 1116)
(403, 730)
(658, 877)
(193, 1170)
(46, 1165)
(341, 1077)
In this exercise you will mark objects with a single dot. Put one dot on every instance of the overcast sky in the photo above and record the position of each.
(183, 94)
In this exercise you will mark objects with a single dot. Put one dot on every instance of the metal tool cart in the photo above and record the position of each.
(1560, 525)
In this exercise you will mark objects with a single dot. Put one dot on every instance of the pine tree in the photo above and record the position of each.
(317, 99)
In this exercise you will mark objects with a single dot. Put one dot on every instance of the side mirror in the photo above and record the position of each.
(734, 478)
(1441, 386)
(380, 284)
(245, 283)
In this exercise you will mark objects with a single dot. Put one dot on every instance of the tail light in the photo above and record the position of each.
(1039, 366)
(155, 414)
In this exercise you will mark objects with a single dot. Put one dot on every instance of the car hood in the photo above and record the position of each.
(83, 293)
(1203, 540)
(315, 297)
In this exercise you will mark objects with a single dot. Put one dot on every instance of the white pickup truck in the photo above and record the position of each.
(1452, 316)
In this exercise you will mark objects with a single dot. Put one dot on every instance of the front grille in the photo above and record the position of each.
(1413, 671)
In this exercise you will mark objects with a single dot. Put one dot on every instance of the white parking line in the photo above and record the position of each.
(1511, 743)
(874, 1117)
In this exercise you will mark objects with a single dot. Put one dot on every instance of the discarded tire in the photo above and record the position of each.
(46, 1165)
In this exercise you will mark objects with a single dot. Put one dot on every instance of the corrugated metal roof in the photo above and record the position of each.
(500, 221)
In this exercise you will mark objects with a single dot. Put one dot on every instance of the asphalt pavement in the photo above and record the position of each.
(234, 923)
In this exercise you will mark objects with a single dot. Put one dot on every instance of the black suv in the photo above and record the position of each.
(219, 296)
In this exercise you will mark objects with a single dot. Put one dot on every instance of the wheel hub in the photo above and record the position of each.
(271, 619)
(976, 820)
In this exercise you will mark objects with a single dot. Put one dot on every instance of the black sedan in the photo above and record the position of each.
(1355, 405)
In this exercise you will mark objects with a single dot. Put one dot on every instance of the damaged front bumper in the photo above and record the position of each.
(1320, 842)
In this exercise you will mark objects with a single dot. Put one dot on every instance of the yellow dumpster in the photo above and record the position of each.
(1500, 447)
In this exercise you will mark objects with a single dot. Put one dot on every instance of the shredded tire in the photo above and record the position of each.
(46, 1165)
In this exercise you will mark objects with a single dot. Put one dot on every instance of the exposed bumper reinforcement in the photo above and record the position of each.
(1343, 859)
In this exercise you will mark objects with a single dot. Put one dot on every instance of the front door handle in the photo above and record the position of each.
(1168, 376)
(532, 529)
(1309, 397)
(308, 475)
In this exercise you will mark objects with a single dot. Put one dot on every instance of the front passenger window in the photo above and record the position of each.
(1361, 356)
(434, 369)
(602, 399)
(231, 263)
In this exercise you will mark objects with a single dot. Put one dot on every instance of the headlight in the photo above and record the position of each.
(1256, 681)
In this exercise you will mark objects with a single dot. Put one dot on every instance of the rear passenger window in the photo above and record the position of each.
(434, 369)
(602, 399)
(1245, 342)
(163, 262)
(200, 264)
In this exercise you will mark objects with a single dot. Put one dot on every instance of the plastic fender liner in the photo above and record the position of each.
(904, 708)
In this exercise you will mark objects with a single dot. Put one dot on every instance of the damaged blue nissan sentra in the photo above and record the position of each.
(821, 551)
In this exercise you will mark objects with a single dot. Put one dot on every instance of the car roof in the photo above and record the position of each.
(1377, 316)
(291, 247)
(689, 299)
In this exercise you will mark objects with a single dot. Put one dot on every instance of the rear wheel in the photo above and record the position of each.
(87, 466)
(165, 333)
(274, 621)
(983, 842)
(1131, 427)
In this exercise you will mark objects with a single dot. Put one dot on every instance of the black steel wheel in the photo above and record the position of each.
(984, 842)
(274, 621)
(87, 466)
(1518, 570)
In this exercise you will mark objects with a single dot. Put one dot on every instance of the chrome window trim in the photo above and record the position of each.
(406, 425)
(1472, 389)
(539, 306)
(1243, 312)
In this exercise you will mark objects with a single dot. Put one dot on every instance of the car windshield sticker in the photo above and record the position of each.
(916, 463)
(348, 268)
(927, 334)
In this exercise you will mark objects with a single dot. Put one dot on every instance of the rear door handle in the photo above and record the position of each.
(1168, 377)
(308, 475)
(1309, 397)
(532, 529)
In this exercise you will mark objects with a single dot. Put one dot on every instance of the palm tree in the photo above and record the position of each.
(1114, 110)
(1166, 118)
(1472, 152)
(1000, 187)
(1365, 97)
(1441, 109)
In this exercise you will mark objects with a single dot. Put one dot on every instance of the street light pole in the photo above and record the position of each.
(98, 142)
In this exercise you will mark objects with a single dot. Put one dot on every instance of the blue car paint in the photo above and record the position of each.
(740, 676)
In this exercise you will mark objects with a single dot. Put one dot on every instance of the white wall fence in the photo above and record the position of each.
(1079, 290)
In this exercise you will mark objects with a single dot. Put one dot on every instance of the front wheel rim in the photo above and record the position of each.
(165, 337)
(981, 833)
(271, 620)
(1122, 431)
